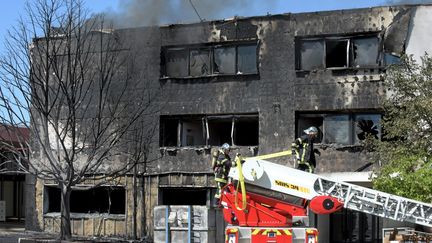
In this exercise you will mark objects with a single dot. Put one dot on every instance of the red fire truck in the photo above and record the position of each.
(269, 203)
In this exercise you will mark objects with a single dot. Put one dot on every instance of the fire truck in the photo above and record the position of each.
(269, 202)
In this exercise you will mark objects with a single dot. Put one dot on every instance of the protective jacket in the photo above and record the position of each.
(221, 164)
(304, 151)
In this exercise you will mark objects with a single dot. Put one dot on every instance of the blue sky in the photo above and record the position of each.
(10, 10)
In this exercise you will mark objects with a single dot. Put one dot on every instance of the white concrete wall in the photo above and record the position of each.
(419, 38)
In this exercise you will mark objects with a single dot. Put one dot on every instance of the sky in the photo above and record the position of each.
(131, 13)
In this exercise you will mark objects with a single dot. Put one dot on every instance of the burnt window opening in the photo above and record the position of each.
(183, 196)
(228, 59)
(341, 128)
(337, 52)
(182, 131)
(111, 200)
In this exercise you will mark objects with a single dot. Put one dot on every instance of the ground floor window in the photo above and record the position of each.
(105, 199)
(183, 196)
(347, 226)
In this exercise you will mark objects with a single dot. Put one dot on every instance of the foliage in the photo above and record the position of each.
(405, 152)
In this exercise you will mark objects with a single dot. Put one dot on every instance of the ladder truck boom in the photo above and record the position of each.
(310, 186)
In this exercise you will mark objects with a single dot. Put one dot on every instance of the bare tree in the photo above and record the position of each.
(73, 83)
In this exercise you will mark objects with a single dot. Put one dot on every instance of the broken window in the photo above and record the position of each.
(104, 199)
(183, 196)
(364, 52)
(228, 59)
(367, 125)
(224, 60)
(242, 130)
(246, 59)
(341, 128)
(312, 55)
(176, 62)
(336, 53)
(199, 63)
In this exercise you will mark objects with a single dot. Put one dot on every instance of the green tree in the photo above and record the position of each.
(405, 152)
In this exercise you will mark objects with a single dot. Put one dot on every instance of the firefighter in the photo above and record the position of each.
(303, 150)
(221, 164)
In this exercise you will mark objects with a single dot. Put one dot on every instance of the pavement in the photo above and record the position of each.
(11, 232)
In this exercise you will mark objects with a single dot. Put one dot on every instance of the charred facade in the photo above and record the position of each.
(255, 83)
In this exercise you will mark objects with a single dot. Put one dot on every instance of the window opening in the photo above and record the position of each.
(336, 53)
(183, 196)
(246, 131)
(246, 59)
(219, 131)
(312, 55)
(104, 199)
(176, 62)
(168, 132)
(306, 121)
(192, 132)
(337, 129)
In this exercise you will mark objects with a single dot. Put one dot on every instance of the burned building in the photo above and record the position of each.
(255, 83)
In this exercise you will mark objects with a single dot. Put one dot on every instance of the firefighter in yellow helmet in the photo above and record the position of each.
(304, 151)
(221, 164)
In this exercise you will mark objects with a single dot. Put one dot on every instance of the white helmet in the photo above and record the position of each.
(311, 130)
(225, 146)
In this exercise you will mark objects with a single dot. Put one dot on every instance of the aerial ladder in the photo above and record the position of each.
(257, 217)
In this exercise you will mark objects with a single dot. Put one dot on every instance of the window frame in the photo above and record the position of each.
(352, 122)
(206, 131)
(211, 47)
(349, 52)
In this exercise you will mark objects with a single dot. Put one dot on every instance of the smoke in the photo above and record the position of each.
(135, 13)
(407, 2)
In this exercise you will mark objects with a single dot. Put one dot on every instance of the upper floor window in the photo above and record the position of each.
(202, 61)
(341, 128)
(337, 52)
(202, 130)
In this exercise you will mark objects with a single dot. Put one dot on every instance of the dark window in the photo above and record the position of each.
(312, 55)
(211, 60)
(340, 128)
(168, 132)
(95, 200)
(336, 53)
(183, 196)
(354, 227)
(242, 130)
(225, 60)
(219, 130)
(246, 131)
(246, 56)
